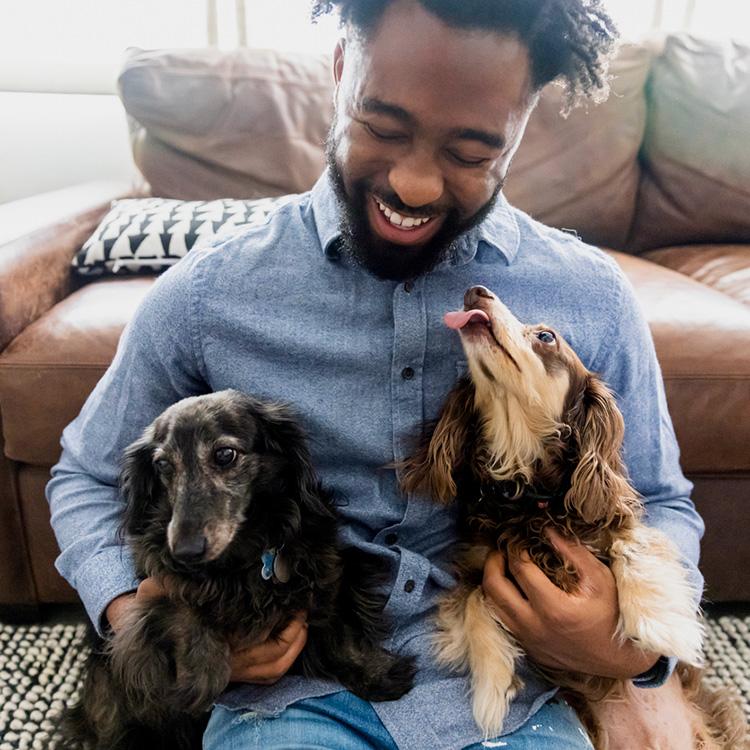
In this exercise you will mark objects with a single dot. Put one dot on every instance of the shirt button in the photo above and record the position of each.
(391, 539)
(409, 586)
(407, 373)
(408, 286)
(333, 252)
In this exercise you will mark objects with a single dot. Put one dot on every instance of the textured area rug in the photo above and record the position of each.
(40, 669)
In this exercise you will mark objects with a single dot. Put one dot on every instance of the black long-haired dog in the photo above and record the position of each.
(224, 505)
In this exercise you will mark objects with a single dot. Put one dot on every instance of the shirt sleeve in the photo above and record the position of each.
(627, 362)
(157, 363)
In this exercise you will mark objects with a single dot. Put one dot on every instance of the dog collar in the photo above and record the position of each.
(274, 565)
(508, 491)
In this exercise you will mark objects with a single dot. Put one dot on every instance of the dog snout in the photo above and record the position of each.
(474, 294)
(190, 547)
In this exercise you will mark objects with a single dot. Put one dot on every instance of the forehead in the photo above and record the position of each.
(194, 420)
(443, 75)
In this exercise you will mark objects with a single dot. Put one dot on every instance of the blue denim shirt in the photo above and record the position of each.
(275, 311)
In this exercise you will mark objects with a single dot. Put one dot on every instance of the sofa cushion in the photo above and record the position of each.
(240, 124)
(696, 183)
(702, 339)
(725, 268)
(581, 171)
(152, 234)
(209, 124)
(48, 371)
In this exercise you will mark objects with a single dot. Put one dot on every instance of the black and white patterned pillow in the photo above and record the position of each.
(151, 234)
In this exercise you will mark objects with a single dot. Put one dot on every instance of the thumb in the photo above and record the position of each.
(150, 588)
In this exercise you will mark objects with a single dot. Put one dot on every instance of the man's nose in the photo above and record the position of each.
(417, 180)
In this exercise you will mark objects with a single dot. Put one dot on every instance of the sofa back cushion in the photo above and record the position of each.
(581, 171)
(207, 124)
(696, 160)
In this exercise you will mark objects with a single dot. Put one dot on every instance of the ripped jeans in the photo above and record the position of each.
(342, 721)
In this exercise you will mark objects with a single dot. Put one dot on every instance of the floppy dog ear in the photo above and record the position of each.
(140, 485)
(432, 468)
(599, 490)
(279, 433)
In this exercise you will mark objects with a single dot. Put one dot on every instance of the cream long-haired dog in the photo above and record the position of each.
(531, 439)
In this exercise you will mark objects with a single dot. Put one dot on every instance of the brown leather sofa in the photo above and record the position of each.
(661, 172)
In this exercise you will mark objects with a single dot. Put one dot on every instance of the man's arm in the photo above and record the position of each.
(157, 363)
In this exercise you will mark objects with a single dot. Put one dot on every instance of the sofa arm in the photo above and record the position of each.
(38, 238)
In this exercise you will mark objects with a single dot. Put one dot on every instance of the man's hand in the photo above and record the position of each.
(149, 588)
(564, 631)
(268, 661)
(263, 663)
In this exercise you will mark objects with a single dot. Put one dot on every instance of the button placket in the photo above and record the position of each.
(409, 340)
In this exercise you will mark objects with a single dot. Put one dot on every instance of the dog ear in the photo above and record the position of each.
(599, 490)
(281, 434)
(431, 470)
(140, 485)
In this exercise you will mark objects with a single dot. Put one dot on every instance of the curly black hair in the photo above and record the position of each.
(569, 41)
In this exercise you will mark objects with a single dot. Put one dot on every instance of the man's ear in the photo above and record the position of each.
(338, 61)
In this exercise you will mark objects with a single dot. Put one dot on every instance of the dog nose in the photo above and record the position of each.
(190, 548)
(473, 294)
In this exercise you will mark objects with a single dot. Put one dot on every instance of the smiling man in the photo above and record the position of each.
(336, 306)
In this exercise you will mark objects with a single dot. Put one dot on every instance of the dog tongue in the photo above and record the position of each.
(461, 318)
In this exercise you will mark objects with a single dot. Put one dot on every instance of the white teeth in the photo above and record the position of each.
(405, 222)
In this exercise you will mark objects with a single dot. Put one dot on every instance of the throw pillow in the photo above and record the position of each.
(140, 235)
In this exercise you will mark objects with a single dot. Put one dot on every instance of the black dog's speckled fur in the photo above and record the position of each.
(150, 685)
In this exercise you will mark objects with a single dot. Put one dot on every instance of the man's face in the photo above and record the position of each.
(428, 118)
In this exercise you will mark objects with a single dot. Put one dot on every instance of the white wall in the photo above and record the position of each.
(49, 141)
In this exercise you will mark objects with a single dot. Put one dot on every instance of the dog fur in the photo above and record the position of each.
(214, 482)
(530, 440)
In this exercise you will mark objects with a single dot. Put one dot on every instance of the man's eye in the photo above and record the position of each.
(546, 337)
(468, 162)
(382, 135)
(225, 456)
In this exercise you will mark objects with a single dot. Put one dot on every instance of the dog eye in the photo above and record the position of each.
(163, 465)
(546, 337)
(225, 456)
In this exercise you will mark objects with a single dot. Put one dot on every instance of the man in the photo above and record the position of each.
(336, 306)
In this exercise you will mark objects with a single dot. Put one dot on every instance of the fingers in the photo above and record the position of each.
(590, 569)
(505, 599)
(541, 593)
(268, 661)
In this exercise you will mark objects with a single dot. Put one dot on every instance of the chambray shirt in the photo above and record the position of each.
(277, 312)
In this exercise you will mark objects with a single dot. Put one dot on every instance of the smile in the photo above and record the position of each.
(400, 228)
(398, 220)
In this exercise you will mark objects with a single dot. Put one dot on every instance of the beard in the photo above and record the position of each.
(389, 260)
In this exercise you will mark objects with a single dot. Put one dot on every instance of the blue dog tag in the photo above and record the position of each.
(274, 566)
(267, 558)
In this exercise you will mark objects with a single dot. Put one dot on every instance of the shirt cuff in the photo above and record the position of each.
(658, 674)
(102, 578)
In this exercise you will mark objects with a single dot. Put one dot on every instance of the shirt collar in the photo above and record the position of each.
(499, 230)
